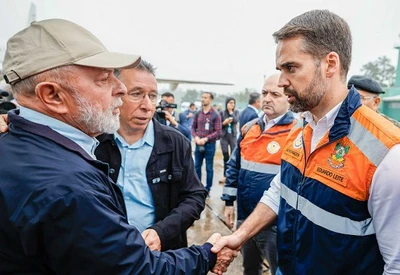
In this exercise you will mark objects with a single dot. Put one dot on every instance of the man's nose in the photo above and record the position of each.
(283, 81)
(119, 88)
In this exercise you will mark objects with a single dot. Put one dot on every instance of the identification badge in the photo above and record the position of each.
(207, 126)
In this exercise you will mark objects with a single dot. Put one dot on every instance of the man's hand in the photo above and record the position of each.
(170, 118)
(229, 214)
(200, 141)
(232, 241)
(151, 239)
(224, 257)
(3, 123)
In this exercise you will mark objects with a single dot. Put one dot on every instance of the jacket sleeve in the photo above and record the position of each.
(184, 130)
(84, 232)
(232, 176)
(182, 117)
(235, 117)
(191, 198)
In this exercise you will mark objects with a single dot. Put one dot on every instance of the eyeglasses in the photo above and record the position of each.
(367, 97)
(139, 96)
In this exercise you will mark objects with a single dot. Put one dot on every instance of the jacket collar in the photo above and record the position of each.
(45, 132)
(285, 120)
(342, 124)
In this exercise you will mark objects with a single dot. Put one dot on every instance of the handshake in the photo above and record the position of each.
(226, 248)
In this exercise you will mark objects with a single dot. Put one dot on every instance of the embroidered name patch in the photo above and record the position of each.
(329, 174)
(293, 153)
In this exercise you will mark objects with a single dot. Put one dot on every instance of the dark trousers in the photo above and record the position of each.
(228, 141)
(261, 246)
(207, 154)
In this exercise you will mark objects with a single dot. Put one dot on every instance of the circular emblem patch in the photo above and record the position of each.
(273, 147)
(298, 142)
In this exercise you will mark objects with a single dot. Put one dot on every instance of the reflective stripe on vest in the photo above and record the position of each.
(231, 191)
(259, 167)
(367, 142)
(325, 219)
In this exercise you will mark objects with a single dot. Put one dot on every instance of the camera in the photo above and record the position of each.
(202, 148)
(159, 114)
(5, 105)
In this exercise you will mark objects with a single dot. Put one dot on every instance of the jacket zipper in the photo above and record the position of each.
(299, 186)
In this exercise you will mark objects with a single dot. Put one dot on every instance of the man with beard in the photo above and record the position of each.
(336, 198)
(153, 165)
(253, 164)
(59, 211)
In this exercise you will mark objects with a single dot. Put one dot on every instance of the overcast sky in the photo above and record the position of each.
(211, 40)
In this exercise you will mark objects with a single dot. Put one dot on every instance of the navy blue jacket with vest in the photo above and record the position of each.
(324, 226)
(61, 214)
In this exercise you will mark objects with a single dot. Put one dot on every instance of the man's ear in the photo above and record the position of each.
(52, 96)
(377, 101)
(332, 61)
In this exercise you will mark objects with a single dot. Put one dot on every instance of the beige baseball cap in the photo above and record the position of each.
(52, 43)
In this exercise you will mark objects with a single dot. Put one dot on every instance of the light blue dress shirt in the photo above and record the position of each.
(132, 179)
(87, 143)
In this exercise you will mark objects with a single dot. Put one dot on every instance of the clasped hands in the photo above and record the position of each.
(225, 255)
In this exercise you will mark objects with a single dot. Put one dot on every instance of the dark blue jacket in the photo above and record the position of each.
(178, 195)
(247, 115)
(61, 214)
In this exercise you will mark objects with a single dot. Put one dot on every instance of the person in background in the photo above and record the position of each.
(60, 213)
(152, 165)
(336, 197)
(369, 91)
(172, 118)
(230, 119)
(186, 117)
(206, 130)
(251, 111)
(254, 163)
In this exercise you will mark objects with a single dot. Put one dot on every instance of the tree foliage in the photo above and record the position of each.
(380, 70)
(191, 96)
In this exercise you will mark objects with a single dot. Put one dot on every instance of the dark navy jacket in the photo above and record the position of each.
(178, 195)
(61, 214)
(247, 115)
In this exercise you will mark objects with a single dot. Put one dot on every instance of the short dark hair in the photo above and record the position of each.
(322, 32)
(253, 97)
(143, 66)
(168, 94)
(210, 93)
(192, 104)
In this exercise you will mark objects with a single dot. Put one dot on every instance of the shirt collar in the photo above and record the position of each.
(147, 138)
(272, 121)
(88, 143)
(328, 119)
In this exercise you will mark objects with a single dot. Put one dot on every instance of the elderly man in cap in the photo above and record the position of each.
(60, 213)
(369, 91)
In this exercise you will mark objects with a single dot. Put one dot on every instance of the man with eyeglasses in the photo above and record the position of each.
(369, 91)
(152, 165)
(60, 213)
